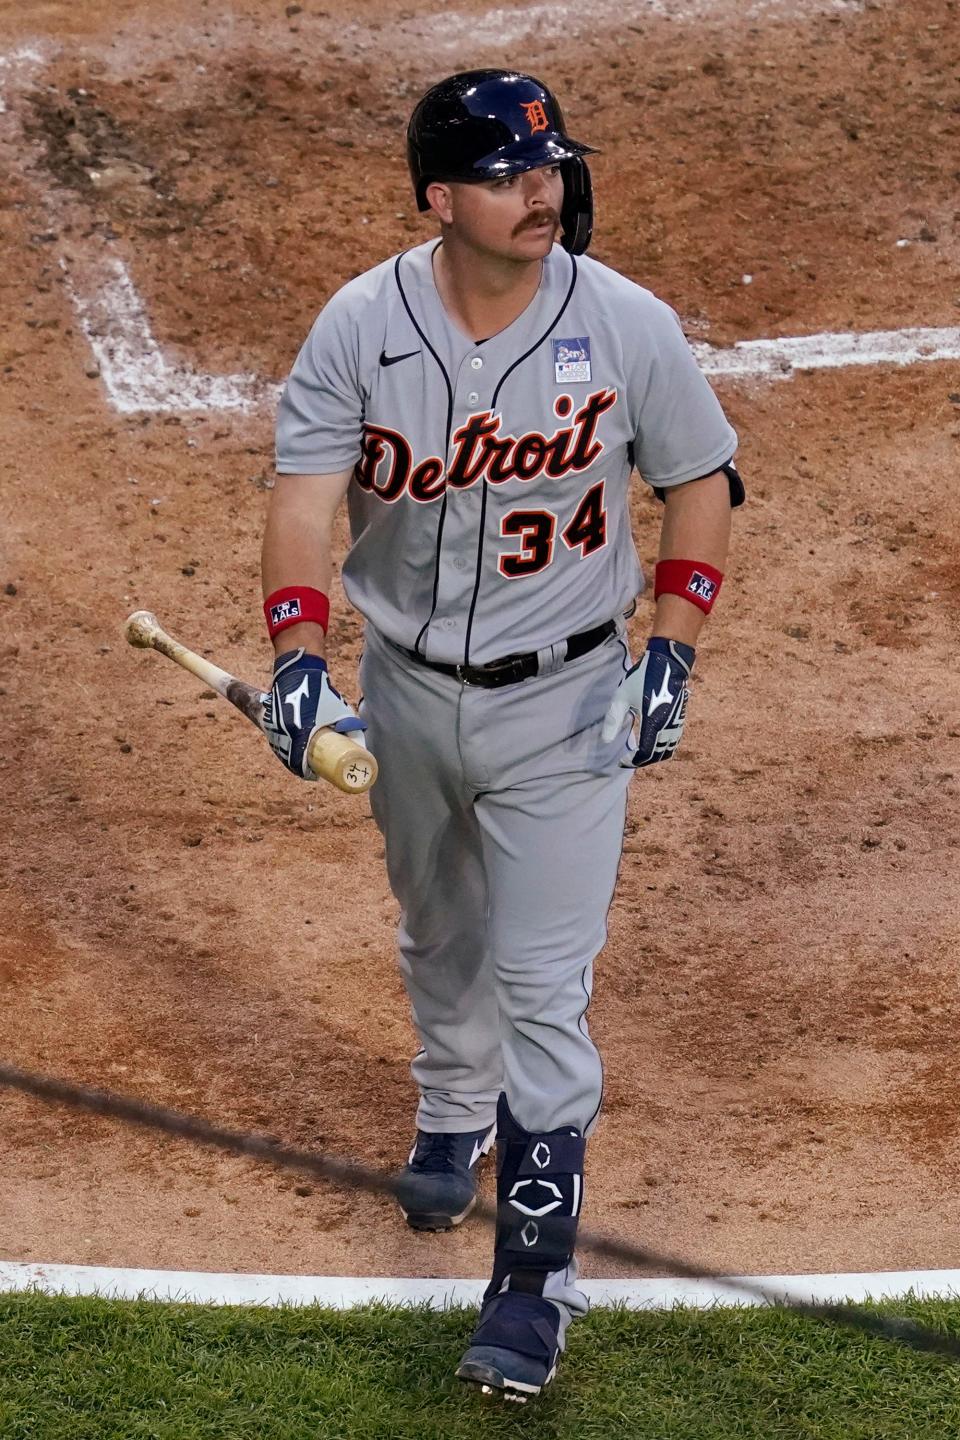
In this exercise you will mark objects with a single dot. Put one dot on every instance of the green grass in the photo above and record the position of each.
(91, 1369)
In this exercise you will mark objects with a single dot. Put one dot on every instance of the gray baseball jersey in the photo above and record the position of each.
(489, 499)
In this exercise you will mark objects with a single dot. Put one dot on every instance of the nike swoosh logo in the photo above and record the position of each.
(386, 359)
(480, 1146)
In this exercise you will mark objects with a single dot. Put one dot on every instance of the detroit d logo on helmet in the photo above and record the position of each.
(536, 115)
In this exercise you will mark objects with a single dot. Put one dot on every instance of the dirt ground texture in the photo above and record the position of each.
(778, 1003)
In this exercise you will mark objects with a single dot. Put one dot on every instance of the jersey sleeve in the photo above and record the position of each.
(320, 419)
(681, 431)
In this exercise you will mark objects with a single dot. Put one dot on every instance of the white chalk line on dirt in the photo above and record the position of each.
(833, 350)
(138, 378)
(349, 1291)
(14, 59)
(135, 373)
(25, 54)
(568, 19)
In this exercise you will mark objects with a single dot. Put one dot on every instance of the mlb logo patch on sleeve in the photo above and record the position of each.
(571, 360)
(284, 610)
(699, 585)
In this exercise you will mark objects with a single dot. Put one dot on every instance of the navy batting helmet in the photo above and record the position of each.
(486, 124)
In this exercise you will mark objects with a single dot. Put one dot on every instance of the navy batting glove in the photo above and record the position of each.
(655, 692)
(301, 702)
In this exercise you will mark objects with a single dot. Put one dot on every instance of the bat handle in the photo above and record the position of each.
(342, 761)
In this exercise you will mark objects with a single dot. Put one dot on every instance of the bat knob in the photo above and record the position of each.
(141, 628)
(358, 773)
(342, 761)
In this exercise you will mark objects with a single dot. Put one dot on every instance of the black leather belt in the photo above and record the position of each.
(514, 668)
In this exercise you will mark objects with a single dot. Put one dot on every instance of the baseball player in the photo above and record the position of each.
(481, 401)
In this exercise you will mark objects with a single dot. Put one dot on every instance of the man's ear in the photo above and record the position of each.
(440, 199)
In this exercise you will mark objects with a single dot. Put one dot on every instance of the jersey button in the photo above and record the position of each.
(448, 624)
(476, 363)
(472, 398)
(459, 563)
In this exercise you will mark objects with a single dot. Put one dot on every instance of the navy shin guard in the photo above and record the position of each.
(520, 1335)
(539, 1192)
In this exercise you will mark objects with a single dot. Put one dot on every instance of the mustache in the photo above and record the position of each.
(537, 217)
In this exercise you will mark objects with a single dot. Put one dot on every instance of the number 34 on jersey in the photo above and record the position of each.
(481, 455)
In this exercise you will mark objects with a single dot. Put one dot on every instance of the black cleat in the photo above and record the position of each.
(438, 1188)
(515, 1348)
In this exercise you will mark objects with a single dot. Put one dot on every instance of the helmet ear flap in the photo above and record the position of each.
(576, 214)
(418, 174)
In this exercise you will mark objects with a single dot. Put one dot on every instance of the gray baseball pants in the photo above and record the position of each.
(502, 814)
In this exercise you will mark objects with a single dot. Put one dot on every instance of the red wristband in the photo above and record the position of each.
(295, 605)
(690, 579)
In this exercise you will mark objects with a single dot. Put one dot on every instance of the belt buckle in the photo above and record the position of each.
(501, 672)
(508, 671)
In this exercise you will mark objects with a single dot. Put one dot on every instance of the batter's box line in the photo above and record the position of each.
(136, 374)
(833, 350)
(139, 378)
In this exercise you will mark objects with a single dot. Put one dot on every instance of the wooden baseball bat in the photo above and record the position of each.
(335, 757)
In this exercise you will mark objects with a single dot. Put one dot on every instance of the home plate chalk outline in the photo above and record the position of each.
(138, 378)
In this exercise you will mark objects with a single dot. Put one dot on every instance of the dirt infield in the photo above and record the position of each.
(778, 1005)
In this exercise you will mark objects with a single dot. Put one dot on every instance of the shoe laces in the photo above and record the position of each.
(435, 1152)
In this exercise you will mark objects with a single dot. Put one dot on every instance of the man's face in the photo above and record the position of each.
(515, 218)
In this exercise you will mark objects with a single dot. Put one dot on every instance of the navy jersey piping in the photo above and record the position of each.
(446, 451)
(483, 500)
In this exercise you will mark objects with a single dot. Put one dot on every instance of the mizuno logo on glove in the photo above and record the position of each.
(296, 698)
(654, 692)
(664, 696)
